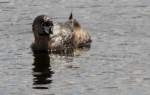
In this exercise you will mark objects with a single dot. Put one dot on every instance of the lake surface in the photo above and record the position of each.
(118, 62)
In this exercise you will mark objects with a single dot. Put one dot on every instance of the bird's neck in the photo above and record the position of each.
(42, 42)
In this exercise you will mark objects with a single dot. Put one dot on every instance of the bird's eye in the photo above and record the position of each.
(48, 23)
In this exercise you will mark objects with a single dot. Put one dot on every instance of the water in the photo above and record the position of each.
(117, 64)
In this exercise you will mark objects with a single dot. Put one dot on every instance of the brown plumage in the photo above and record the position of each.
(51, 36)
(81, 38)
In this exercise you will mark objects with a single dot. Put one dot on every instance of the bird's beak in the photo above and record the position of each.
(46, 29)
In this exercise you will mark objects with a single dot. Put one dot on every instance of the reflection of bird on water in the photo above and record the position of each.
(41, 71)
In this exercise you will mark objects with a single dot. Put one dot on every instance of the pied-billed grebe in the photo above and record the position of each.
(51, 36)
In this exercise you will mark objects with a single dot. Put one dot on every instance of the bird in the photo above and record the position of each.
(59, 36)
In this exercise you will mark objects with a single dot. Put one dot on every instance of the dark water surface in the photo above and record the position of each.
(118, 62)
